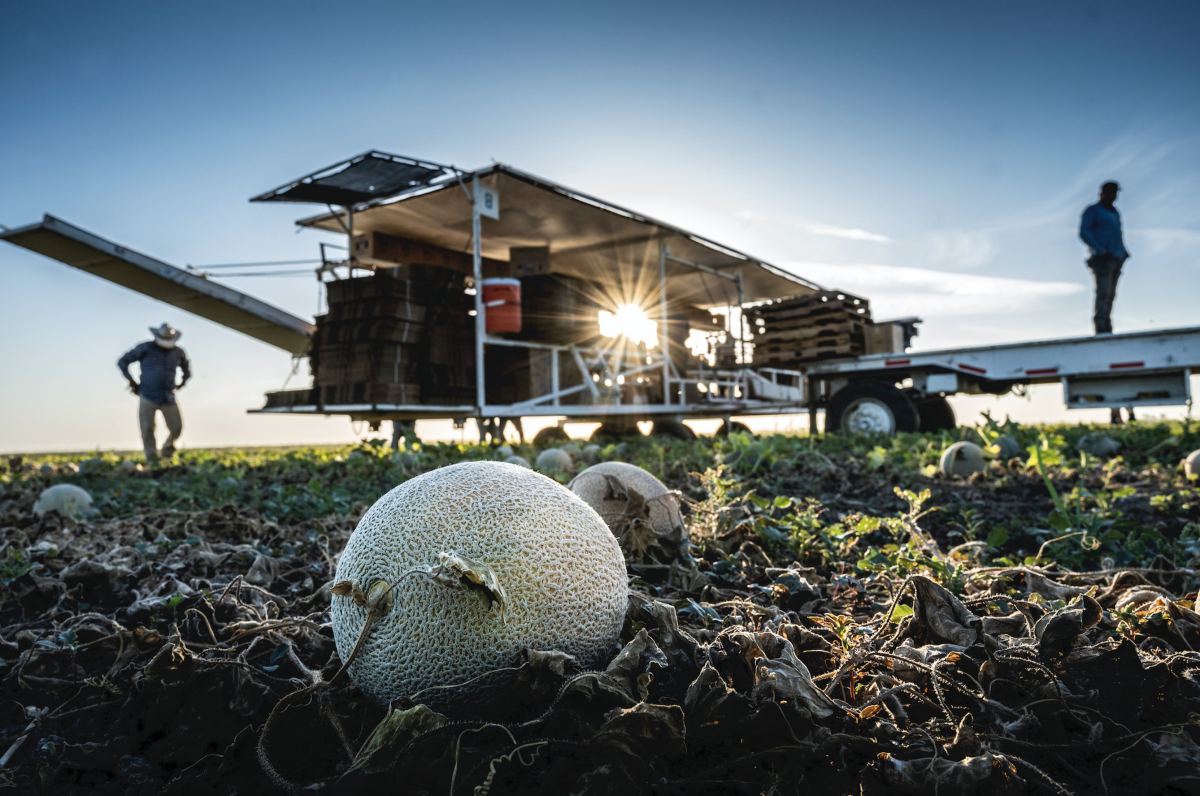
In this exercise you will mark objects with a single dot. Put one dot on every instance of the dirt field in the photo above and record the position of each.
(830, 628)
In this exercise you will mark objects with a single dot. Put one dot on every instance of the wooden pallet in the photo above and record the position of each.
(829, 329)
(791, 359)
(814, 304)
(282, 398)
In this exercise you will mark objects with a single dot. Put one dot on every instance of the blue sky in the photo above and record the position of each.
(933, 156)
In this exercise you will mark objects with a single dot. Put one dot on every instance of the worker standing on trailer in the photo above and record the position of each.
(1100, 229)
(158, 360)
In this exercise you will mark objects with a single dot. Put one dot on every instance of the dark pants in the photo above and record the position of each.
(1106, 270)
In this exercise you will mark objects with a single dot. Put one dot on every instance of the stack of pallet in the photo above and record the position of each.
(400, 336)
(818, 326)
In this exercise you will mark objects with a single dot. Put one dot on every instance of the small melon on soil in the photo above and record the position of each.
(67, 499)
(554, 460)
(1191, 465)
(639, 509)
(1006, 448)
(487, 559)
(962, 459)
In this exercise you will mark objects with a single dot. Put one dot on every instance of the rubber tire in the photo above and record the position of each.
(902, 408)
(549, 436)
(604, 433)
(936, 414)
(675, 429)
(741, 428)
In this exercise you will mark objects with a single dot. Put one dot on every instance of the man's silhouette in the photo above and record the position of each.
(1100, 229)
(159, 359)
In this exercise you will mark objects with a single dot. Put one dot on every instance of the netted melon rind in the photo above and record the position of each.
(561, 569)
(67, 499)
(592, 487)
(554, 460)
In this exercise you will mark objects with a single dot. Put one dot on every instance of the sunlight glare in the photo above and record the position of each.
(631, 321)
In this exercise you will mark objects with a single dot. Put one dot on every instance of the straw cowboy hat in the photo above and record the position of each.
(165, 333)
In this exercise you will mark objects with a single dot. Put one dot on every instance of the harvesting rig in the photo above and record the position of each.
(496, 295)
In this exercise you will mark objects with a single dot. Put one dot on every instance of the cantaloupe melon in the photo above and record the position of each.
(506, 559)
(1191, 465)
(962, 459)
(621, 493)
(67, 499)
(554, 460)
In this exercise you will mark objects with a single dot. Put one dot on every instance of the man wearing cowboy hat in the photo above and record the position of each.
(159, 358)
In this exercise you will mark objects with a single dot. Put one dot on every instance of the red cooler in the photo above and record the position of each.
(502, 305)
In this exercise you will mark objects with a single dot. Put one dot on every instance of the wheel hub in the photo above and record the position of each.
(869, 415)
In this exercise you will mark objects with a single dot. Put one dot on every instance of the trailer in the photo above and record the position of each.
(889, 393)
(592, 258)
(409, 333)
(406, 335)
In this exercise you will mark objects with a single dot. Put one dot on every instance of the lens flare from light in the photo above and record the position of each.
(631, 321)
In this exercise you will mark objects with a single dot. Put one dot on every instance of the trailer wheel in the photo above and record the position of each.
(734, 426)
(870, 406)
(609, 433)
(550, 435)
(936, 414)
(673, 428)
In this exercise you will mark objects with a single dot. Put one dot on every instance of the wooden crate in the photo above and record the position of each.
(369, 393)
(400, 309)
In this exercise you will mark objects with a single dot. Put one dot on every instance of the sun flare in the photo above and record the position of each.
(632, 322)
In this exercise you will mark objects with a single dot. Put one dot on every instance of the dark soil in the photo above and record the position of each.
(149, 654)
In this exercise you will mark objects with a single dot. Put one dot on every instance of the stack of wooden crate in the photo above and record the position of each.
(822, 325)
(400, 336)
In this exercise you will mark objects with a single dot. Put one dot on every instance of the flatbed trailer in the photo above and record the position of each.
(397, 211)
(907, 392)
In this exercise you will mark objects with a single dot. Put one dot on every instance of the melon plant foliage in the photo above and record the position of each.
(837, 616)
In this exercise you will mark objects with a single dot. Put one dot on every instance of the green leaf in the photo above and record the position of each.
(901, 612)
(782, 502)
(997, 536)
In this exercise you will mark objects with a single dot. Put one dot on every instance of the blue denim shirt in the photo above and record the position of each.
(158, 370)
(1100, 229)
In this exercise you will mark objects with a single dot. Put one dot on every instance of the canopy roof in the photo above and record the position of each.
(588, 238)
(371, 175)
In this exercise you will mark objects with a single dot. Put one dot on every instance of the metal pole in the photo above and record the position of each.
(480, 318)
(810, 386)
(741, 344)
(664, 335)
(554, 374)
(350, 238)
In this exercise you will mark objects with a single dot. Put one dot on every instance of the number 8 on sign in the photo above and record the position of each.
(488, 202)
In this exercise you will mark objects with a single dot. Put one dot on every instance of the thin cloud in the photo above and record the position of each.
(844, 232)
(964, 249)
(849, 233)
(899, 291)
